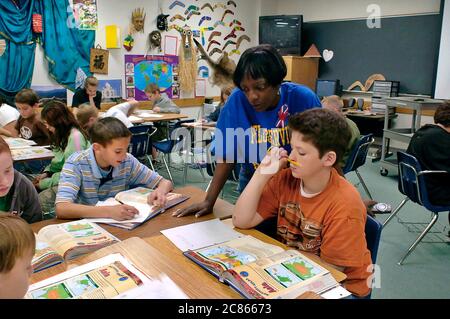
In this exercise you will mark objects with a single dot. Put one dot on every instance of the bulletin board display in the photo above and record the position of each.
(142, 70)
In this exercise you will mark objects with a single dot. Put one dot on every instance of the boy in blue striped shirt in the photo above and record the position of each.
(102, 171)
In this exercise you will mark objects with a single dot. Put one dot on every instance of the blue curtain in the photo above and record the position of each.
(66, 48)
(17, 62)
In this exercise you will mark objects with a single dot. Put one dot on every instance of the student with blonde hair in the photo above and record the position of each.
(17, 247)
(88, 94)
(86, 116)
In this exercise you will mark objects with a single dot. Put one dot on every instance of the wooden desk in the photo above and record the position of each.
(199, 125)
(165, 117)
(32, 153)
(222, 209)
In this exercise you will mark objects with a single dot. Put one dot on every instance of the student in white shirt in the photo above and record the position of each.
(8, 119)
(122, 111)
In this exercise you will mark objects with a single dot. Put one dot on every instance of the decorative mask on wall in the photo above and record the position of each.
(138, 20)
(187, 60)
(161, 22)
(155, 40)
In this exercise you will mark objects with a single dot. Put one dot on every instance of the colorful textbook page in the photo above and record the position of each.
(32, 152)
(284, 275)
(103, 278)
(18, 142)
(241, 251)
(137, 197)
(59, 242)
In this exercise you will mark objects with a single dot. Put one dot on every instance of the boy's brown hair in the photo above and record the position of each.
(27, 96)
(4, 147)
(90, 81)
(333, 101)
(16, 239)
(107, 129)
(84, 113)
(152, 88)
(325, 129)
(442, 114)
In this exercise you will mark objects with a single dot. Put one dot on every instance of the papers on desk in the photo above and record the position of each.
(199, 235)
(103, 278)
(158, 288)
(133, 118)
(17, 142)
(145, 115)
(30, 153)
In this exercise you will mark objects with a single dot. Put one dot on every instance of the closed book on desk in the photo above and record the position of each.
(258, 270)
(137, 197)
(56, 243)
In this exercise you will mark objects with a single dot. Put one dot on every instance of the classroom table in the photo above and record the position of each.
(222, 209)
(31, 153)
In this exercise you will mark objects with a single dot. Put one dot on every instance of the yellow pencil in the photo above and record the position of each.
(293, 162)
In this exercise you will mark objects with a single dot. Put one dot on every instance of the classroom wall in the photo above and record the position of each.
(119, 12)
(323, 10)
(443, 74)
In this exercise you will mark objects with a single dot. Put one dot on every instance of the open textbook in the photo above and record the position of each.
(32, 152)
(112, 276)
(252, 267)
(137, 197)
(59, 242)
(18, 142)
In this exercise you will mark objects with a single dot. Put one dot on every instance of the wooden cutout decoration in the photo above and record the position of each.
(207, 5)
(238, 28)
(355, 85)
(214, 34)
(176, 3)
(204, 18)
(219, 5)
(192, 13)
(211, 43)
(215, 50)
(240, 39)
(177, 16)
(232, 34)
(219, 23)
(312, 52)
(191, 8)
(231, 2)
(235, 22)
(235, 52)
(371, 79)
(228, 11)
(227, 44)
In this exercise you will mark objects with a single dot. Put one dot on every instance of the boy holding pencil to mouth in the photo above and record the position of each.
(317, 210)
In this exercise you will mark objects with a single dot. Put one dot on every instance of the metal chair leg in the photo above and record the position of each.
(209, 185)
(413, 246)
(150, 162)
(363, 184)
(395, 211)
(167, 168)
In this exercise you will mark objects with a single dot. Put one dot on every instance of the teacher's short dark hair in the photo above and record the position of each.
(107, 129)
(262, 61)
(442, 114)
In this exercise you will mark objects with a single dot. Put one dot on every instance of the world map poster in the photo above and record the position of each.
(142, 70)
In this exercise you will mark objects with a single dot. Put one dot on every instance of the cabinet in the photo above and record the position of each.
(302, 70)
(417, 105)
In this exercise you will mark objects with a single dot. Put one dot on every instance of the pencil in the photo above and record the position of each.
(293, 162)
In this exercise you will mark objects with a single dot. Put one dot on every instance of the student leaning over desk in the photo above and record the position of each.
(261, 106)
(17, 194)
(67, 137)
(102, 171)
(317, 210)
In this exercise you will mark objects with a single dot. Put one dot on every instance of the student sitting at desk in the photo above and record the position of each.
(102, 171)
(86, 116)
(122, 111)
(8, 119)
(88, 94)
(29, 124)
(431, 146)
(67, 137)
(16, 250)
(317, 210)
(161, 102)
(17, 194)
(224, 94)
